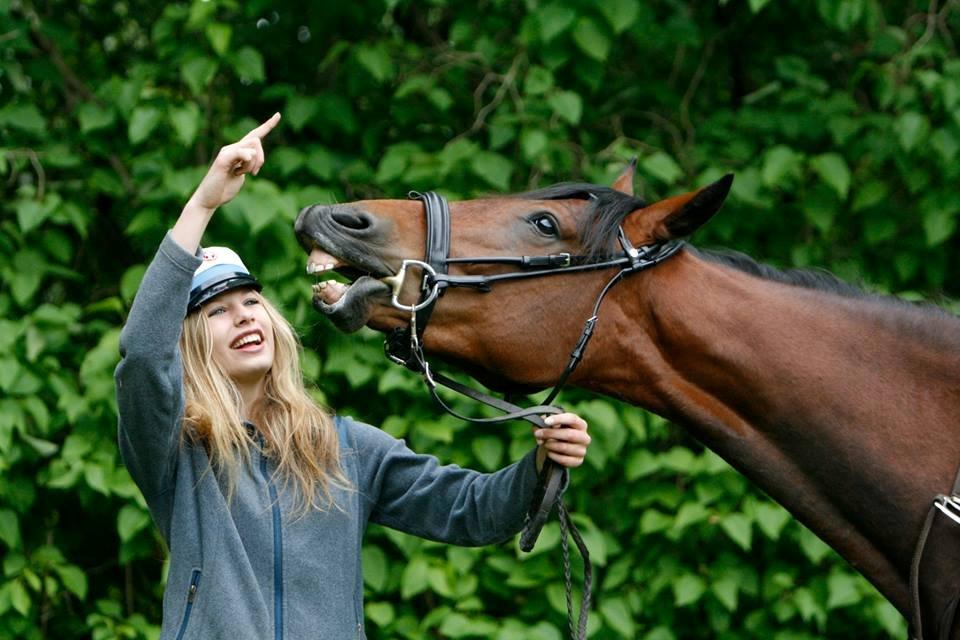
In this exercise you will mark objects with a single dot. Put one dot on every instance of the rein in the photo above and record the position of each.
(404, 345)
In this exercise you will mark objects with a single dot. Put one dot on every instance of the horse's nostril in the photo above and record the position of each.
(350, 220)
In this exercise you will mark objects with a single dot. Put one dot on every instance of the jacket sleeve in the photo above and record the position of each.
(413, 493)
(149, 376)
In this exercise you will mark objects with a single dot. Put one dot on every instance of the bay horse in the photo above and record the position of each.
(843, 406)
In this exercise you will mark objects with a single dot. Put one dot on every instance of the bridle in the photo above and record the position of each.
(404, 345)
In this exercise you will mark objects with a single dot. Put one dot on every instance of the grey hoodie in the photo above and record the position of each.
(245, 568)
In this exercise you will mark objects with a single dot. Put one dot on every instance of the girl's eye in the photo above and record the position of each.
(250, 301)
(215, 311)
(546, 224)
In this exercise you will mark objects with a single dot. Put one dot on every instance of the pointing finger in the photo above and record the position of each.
(265, 128)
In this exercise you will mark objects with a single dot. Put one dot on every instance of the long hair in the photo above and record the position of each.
(297, 433)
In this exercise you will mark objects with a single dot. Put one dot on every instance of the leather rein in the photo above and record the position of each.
(404, 345)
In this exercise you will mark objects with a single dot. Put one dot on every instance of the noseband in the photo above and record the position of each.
(404, 346)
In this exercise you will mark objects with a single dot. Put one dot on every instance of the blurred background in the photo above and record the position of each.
(840, 119)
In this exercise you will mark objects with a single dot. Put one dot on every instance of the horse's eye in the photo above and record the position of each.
(546, 224)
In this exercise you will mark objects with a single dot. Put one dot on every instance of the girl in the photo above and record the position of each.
(261, 496)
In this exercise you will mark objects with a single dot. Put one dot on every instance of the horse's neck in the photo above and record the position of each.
(815, 397)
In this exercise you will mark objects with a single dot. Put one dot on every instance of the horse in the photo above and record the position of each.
(841, 405)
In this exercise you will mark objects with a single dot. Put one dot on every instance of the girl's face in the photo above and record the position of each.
(242, 334)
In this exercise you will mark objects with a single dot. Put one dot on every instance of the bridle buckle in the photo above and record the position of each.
(948, 506)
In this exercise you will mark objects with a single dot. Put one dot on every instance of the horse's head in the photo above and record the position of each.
(493, 334)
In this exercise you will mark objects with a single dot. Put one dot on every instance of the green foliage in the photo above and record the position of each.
(841, 120)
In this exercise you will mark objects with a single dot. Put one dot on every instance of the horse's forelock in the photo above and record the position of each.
(606, 210)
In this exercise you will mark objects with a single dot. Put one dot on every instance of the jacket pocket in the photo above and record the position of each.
(191, 596)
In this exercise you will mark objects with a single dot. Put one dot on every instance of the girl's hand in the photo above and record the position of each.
(565, 441)
(226, 175)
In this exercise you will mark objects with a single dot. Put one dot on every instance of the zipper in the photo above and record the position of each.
(277, 550)
(191, 596)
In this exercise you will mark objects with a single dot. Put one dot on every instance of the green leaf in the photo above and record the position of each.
(771, 519)
(616, 613)
(376, 60)
(380, 613)
(621, 14)
(538, 81)
(489, 451)
(939, 223)
(219, 36)
(300, 110)
(25, 117)
(414, 577)
(757, 5)
(592, 39)
(662, 167)
(19, 597)
(652, 521)
(740, 529)
(554, 20)
(494, 168)
(198, 73)
(130, 282)
(533, 142)
(567, 105)
(912, 129)
(780, 163)
(375, 568)
(842, 590)
(688, 589)
(186, 122)
(93, 117)
(248, 64)
(833, 170)
(131, 520)
(74, 579)
(813, 547)
(142, 123)
(9, 529)
(726, 590)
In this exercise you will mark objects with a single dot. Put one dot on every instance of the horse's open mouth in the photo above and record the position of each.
(347, 297)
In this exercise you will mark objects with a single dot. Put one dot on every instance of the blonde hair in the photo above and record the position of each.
(297, 433)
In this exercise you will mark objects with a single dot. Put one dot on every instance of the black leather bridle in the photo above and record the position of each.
(404, 345)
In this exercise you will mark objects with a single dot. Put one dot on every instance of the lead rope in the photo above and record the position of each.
(580, 632)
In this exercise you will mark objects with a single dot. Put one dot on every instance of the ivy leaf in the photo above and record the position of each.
(375, 567)
(621, 14)
(142, 123)
(554, 20)
(9, 529)
(414, 577)
(130, 521)
(688, 589)
(186, 122)
(248, 64)
(74, 579)
(833, 170)
(93, 117)
(842, 590)
(771, 519)
(377, 61)
(198, 73)
(219, 35)
(663, 167)
(489, 451)
(494, 168)
(568, 105)
(740, 529)
(617, 614)
(912, 129)
(591, 39)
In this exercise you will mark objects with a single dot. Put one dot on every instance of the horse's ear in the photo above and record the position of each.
(624, 183)
(678, 216)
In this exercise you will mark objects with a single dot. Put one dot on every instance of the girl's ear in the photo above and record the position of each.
(678, 216)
